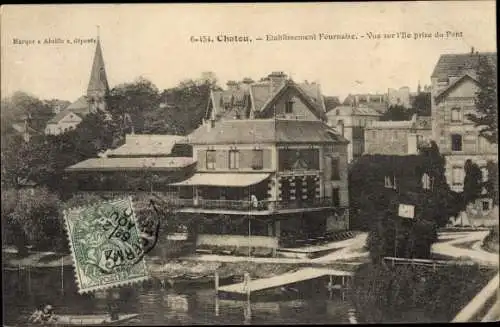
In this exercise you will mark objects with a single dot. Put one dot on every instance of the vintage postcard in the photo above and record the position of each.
(257, 163)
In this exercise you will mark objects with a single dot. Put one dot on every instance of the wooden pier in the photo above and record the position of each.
(281, 280)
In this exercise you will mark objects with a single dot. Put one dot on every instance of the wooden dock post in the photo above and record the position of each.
(216, 306)
(29, 279)
(247, 313)
(330, 286)
(216, 283)
(62, 274)
(343, 290)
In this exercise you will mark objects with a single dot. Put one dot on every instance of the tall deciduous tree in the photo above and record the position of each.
(473, 182)
(129, 102)
(422, 104)
(486, 115)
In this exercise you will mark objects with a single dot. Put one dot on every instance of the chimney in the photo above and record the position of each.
(232, 85)
(277, 79)
(340, 127)
(246, 82)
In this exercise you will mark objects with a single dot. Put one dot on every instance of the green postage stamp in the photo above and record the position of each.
(106, 245)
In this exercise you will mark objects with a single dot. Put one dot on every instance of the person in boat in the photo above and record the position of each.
(36, 317)
(46, 315)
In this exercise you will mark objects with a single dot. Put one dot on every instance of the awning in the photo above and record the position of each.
(223, 179)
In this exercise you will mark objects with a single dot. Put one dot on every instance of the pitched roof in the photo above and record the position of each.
(98, 79)
(459, 64)
(472, 76)
(121, 164)
(146, 145)
(81, 105)
(331, 102)
(21, 128)
(229, 102)
(316, 104)
(254, 131)
(344, 110)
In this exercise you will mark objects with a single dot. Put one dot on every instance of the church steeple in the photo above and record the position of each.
(98, 86)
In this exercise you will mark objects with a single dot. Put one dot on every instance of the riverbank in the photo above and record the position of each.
(415, 293)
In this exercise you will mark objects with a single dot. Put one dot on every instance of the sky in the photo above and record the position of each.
(153, 41)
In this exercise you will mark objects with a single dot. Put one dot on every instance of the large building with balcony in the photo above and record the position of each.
(269, 170)
(454, 86)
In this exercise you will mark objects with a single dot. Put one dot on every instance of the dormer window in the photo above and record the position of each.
(289, 107)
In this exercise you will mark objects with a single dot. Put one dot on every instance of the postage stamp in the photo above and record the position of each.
(106, 245)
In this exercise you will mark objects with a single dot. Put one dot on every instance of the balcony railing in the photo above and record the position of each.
(242, 205)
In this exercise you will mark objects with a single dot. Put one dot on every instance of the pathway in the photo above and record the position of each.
(448, 248)
(349, 249)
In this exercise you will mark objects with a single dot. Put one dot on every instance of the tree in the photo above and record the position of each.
(491, 184)
(184, 109)
(473, 182)
(44, 158)
(133, 100)
(377, 204)
(486, 115)
(422, 104)
(396, 112)
(22, 105)
(39, 217)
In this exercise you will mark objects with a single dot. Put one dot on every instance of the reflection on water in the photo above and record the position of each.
(160, 306)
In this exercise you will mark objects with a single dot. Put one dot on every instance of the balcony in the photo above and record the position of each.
(248, 207)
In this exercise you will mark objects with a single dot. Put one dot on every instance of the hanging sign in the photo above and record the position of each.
(406, 211)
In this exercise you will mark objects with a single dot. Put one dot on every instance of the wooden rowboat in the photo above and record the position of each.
(90, 320)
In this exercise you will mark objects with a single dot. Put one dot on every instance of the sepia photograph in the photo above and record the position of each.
(249, 163)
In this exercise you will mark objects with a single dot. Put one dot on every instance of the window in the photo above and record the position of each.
(335, 169)
(210, 159)
(340, 124)
(458, 175)
(289, 107)
(390, 182)
(484, 145)
(258, 159)
(486, 205)
(456, 142)
(456, 115)
(234, 159)
(336, 197)
(484, 172)
(426, 182)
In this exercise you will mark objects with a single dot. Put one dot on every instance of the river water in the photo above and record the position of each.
(156, 305)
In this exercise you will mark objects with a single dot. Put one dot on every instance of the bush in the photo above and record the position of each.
(38, 215)
(386, 294)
